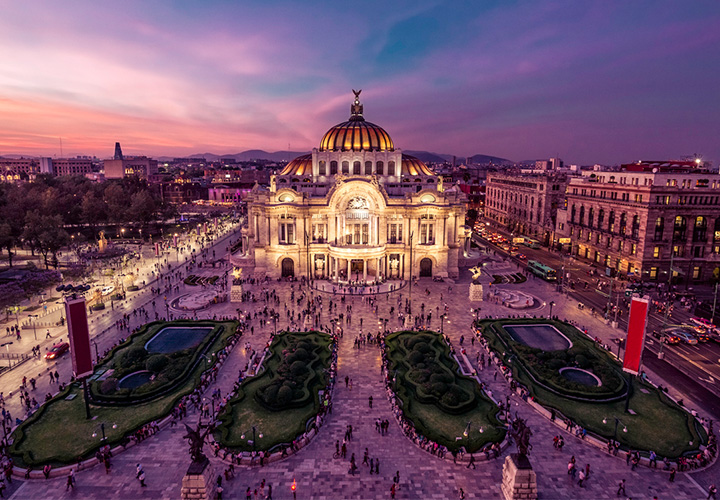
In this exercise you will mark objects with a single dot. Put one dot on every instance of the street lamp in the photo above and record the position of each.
(552, 303)
(33, 324)
(467, 429)
(617, 421)
(102, 429)
(260, 435)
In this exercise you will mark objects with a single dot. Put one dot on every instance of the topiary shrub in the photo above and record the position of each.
(156, 363)
(298, 368)
(555, 364)
(301, 354)
(133, 356)
(581, 361)
(109, 385)
(284, 395)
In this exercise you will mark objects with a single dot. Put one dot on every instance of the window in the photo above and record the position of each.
(319, 233)
(395, 232)
(633, 249)
(333, 167)
(636, 226)
(659, 227)
(287, 230)
(582, 216)
(679, 228)
(653, 273)
(391, 168)
(623, 223)
(321, 168)
(656, 252)
(356, 168)
(696, 273)
(601, 218)
(368, 168)
(611, 221)
(379, 168)
(346, 168)
(427, 230)
(700, 231)
(591, 217)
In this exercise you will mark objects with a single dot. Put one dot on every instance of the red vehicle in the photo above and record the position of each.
(57, 350)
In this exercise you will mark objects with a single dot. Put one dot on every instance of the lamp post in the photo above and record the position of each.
(712, 318)
(617, 421)
(466, 432)
(260, 435)
(552, 303)
(412, 234)
(102, 429)
(33, 324)
(442, 323)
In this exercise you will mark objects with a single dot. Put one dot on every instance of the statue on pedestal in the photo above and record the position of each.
(521, 433)
(196, 440)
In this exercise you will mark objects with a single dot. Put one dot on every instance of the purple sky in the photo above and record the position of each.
(595, 82)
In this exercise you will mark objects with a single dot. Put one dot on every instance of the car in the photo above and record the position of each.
(702, 337)
(521, 256)
(57, 350)
(108, 290)
(686, 337)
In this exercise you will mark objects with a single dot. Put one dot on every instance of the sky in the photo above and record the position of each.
(593, 82)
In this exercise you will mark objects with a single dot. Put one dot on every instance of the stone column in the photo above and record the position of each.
(348, 269)
(364, 270)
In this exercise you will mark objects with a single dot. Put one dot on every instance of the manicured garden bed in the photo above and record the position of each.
(658, 424)
(283, 398)
(58, 433)
(436, 398)
(168, 368)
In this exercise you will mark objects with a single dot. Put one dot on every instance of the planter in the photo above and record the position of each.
(98, 307)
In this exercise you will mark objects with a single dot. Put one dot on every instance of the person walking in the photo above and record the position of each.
(621, 488)
(370, 401)
(581, 477)
(471, 463)
(70, 481)
(712, 491)
(672, 474)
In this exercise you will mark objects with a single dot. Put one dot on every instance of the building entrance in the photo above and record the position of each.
(288, 268)
(426, 268)
(357, 266)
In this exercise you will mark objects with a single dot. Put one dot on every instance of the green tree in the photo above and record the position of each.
(142, 207)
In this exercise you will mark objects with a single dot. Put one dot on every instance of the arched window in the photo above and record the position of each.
(368, 168)
(356, 168)
(391, 168)
(582, 215)
(636, 226)
(591, 217)
(700, 231)
(333, 167)
(611, 221)
(321, 168)
(345, 167)
(379, 166)
(572, 214)
(659, 228)
(679, 227)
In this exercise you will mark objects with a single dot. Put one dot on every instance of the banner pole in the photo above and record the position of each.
(86, 396)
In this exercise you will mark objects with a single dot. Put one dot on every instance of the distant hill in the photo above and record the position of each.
(481, 159)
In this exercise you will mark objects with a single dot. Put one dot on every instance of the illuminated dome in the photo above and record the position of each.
(356, 134)
(413, 166)
(302, 165)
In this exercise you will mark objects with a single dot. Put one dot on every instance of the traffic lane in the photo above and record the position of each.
(701, 356)
(707, 400)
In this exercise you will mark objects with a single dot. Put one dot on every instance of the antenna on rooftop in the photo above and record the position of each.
(61, 150)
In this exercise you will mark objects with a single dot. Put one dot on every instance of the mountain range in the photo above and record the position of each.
(425, 156)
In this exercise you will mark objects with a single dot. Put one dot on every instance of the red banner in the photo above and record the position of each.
(79, 334)
(635, 341)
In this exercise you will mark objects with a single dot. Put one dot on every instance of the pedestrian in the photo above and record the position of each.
(396, 479)
(712, 491)
(471, 463)
(370, 401)
(621, 488)
(392, 491)
(581, 477)
(462, 494)
(347, 379)
(672, 475)
(70, 481)
(377, 466)
(572, 470)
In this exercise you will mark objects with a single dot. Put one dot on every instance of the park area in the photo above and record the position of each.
(443, 405)
(282, 401)
(566, 371)
(171, 356)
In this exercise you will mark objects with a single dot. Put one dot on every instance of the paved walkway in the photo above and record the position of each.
(319, 476)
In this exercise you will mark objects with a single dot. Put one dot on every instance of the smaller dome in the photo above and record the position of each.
(413, 166)
(302, 165)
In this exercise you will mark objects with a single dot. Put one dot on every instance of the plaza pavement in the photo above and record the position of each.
(422, 476)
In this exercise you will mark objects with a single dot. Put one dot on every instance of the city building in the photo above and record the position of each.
(356, 209)
(138, 166)
(70, 166)
(631, 220)
(18, 169)
(525, 204)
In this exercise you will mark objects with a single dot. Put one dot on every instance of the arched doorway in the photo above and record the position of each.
(426, 267)
(288, 268)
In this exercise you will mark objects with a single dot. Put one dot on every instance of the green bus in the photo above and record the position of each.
(545, 272)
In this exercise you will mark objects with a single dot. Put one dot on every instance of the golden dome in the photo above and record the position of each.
(356, 134)
(413, 166)
(302, 165)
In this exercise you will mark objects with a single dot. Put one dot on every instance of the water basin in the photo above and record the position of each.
(172, 338)
(580, 376)
(545, 337)
(134, 380)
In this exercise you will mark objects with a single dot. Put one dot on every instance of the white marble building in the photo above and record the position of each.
(356, 209)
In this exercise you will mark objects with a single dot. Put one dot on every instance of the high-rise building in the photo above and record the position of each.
(118, 152)
(356, 208)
